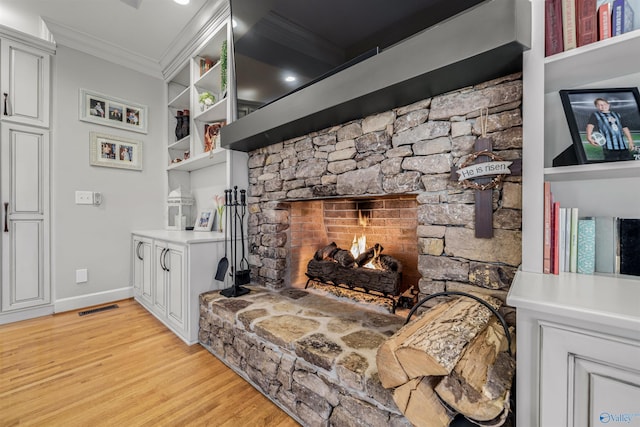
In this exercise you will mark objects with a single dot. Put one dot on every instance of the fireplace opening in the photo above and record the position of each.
(378, 234)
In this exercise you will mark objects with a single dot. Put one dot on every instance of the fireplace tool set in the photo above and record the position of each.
(235, 213)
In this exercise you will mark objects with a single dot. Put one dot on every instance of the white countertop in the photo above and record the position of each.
(184, 237)
(609, 300)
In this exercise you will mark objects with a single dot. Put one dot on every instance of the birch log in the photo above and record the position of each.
(437, 346)
(390, 371)
(420, 404)
(479, 385)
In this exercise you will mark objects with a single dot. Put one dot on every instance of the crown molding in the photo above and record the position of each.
(194, 35)
(99, 48)
(27, 39)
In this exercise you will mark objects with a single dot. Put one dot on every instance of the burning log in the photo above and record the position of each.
(386, 282)
(457, 352)
(369, 254)
(326, 252)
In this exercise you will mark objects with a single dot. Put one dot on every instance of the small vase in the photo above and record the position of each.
(185, 123)
(179, 123)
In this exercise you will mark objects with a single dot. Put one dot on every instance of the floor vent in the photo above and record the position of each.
(96, 310)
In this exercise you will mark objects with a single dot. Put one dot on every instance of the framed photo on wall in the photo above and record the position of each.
(604, 123)
(114, 152)
(110, 111)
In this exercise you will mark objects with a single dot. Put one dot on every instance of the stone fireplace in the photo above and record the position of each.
(408, 154)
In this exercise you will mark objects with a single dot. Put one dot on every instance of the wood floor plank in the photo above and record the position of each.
(119, 367)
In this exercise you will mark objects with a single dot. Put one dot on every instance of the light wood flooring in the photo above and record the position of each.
(119, 367)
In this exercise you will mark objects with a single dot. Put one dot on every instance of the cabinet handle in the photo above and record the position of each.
(138, 251)
(6, 104)
(6, 214)
(161, 264)
(165, 259)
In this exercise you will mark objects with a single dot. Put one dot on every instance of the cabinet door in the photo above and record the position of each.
(24, 166)
(142, 261)
(176, 287)
(586, 377)
(26, 81)
(159, 284)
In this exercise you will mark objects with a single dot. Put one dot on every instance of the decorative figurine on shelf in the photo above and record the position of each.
(206, 100)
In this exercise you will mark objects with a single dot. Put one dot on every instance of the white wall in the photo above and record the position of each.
(98, 237)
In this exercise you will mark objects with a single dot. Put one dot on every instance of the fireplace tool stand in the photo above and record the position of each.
(460, 420)
(238, 277)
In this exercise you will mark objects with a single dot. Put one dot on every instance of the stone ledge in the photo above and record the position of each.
(310, 354)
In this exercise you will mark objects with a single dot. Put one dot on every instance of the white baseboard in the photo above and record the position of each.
(28, 313)
(82, 301)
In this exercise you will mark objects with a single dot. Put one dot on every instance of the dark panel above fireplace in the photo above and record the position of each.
(480, 44)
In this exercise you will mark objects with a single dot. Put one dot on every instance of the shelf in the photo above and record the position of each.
(588, 64)
(201, 161)
(181, 101)
(628, 169)
(210, 81)
(182, 144)
(215, 113)
(581, 295)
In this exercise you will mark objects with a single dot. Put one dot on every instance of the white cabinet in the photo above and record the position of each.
(142, 263)
(170, 271)
(578, 339)
(25, 84)
(558, 315)
(24, 165)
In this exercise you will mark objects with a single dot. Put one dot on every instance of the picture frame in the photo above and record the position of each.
(110, 111)
(212, 135)
(114, 151)
(204, 220)
(617, 113)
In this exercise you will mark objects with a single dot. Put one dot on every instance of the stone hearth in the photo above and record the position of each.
(313, 355)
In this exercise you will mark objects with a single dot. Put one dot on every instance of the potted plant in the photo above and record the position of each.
(206, 100)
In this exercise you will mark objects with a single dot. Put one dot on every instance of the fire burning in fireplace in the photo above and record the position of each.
(359, 244)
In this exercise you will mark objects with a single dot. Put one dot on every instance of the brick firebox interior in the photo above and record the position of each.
(390, 221)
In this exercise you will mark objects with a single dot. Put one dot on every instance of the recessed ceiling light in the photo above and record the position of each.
(182, 2)
(290, 79)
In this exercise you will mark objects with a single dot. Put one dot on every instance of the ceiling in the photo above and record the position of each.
(142, 36)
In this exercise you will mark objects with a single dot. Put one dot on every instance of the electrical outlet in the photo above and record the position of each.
(82, 275)
(84, 197)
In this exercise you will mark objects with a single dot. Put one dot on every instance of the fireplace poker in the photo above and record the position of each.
(243, 275)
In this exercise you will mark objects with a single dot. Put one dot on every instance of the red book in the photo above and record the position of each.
(586, 22)
(553, 27)
(604, 21)
(546, 266)
(555, 262)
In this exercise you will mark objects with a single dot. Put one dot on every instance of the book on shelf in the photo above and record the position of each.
(586, 254)
(622, 15)
(573, 236)
(569, 24)
(553, 42)
(555, 261)
(562, 240)
(606, 244)
(586, 22)
(604, 21)
(546, 264)
(629, 243)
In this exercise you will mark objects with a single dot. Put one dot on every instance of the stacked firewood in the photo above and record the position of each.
(453, 359)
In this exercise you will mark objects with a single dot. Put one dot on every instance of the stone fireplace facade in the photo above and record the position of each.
(405, 151)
